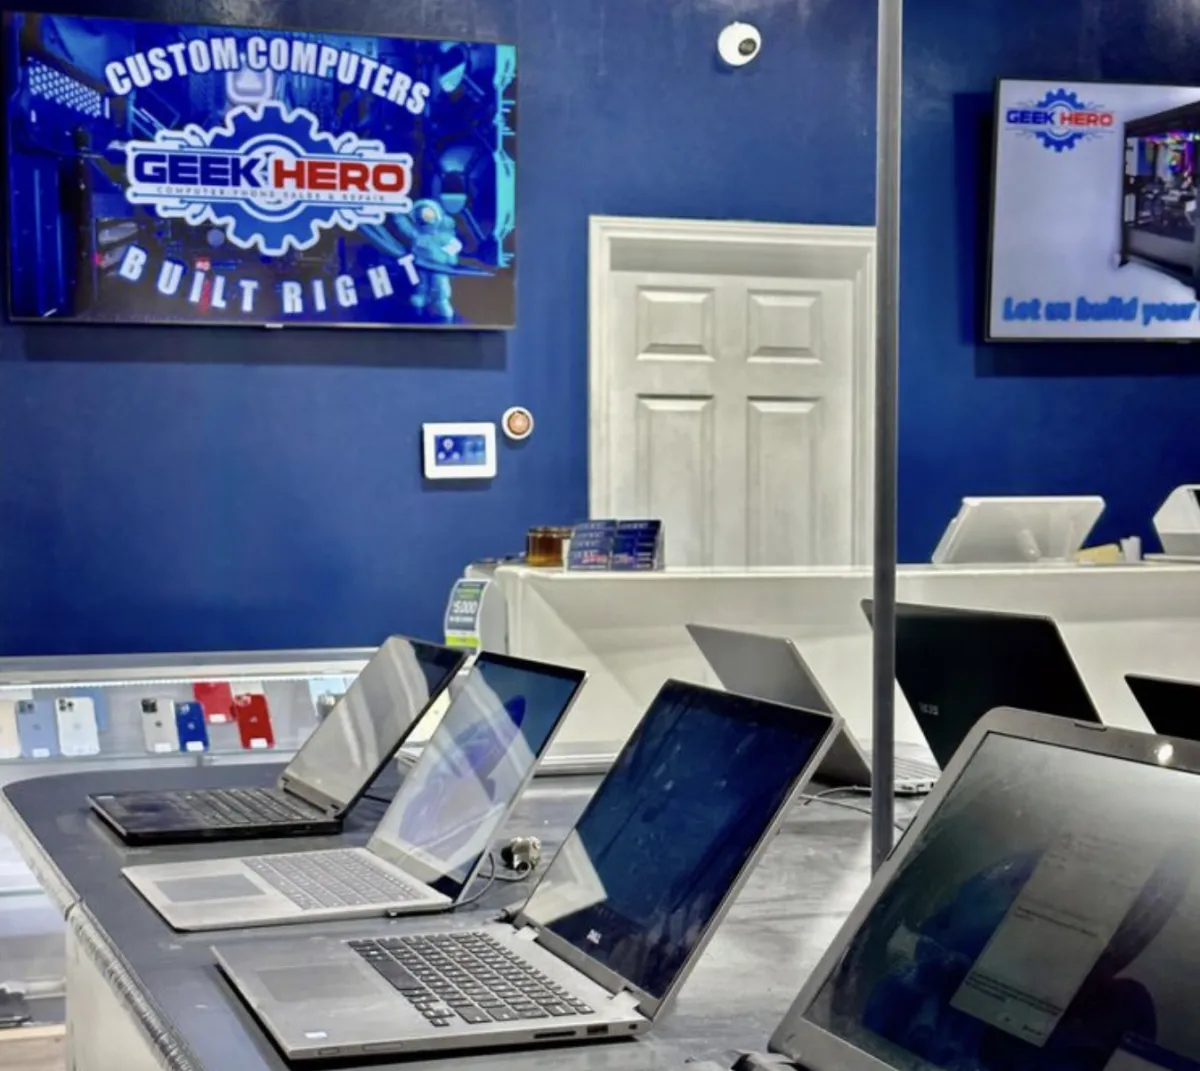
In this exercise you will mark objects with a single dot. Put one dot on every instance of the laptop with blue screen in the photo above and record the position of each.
(431, 842)
(1042, 913)
(610, 932)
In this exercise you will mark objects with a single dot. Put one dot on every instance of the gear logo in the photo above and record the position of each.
(1060, 120)
(269, 177)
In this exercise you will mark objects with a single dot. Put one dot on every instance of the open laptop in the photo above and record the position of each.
(1171, 707)
(433, 839)
(772, 668)
(953, 666)
(1042, 913)
(610, 932)
(989, 531)
(336, 765)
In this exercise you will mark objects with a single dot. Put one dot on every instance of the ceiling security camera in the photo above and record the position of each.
(739, 43)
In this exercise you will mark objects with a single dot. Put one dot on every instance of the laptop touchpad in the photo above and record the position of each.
(217, 887)
(291, 984)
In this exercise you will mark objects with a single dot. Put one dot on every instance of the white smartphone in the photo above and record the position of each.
(10, 742)
(160, 730)
(78, 733)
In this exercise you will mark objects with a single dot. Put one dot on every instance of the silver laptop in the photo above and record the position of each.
(433, 838)
(1042, 912)
(609, 934)
(772, 667)
(1018, 530)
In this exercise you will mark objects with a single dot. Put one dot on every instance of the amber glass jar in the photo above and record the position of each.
(544, 547)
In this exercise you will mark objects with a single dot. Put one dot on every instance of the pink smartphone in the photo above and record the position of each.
(253, 721)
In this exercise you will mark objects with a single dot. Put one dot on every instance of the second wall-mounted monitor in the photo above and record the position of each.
(1095, 231)
(1018, 531)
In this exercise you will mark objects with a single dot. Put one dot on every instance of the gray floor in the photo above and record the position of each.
(786, 916)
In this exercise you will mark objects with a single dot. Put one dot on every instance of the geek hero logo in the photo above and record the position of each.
(1060, 120)
(270, 178)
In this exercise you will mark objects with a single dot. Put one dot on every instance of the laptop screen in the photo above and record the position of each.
(641, 877)
(453, 801)
(954, 666)
(371, 720)
(1171, 707)
(1048, 917)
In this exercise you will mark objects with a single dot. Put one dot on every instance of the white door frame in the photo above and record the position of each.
(617, 243)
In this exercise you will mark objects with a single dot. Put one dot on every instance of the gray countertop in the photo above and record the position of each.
(786, 916)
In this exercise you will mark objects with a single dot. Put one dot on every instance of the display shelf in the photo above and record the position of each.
(298, 688)
(84, 714)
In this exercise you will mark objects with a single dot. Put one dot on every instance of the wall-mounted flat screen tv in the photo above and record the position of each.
(1095, 225)
(183, 174)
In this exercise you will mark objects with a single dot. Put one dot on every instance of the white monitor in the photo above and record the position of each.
(1018, 531)
(1178, 522)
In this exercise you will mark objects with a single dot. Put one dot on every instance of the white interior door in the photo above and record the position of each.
(729, 404)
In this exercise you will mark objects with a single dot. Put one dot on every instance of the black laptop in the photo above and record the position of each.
(329, 773)
(1171, 707)
(954, 666)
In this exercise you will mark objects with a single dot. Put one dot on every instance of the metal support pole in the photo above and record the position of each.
(887, 343)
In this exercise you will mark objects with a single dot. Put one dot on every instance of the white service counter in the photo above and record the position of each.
(627, 630)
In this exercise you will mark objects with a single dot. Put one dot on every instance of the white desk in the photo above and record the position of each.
(627, 630)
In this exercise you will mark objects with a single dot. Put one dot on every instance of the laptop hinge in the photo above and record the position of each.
(624, 1002)
(309, 795)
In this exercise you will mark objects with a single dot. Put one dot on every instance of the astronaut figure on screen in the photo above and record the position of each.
(432, 232)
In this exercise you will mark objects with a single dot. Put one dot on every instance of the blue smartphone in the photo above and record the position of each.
(193, 733)
(37, 728)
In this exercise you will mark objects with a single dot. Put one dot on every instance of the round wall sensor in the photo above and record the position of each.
(517, 423)
(739, 43)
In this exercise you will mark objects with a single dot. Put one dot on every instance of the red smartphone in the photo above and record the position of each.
(216, 699)
(253, 718)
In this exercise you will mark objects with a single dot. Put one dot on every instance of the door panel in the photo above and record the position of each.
(731, 414)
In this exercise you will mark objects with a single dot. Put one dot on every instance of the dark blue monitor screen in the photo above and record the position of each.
(640, 879)
(175, 173)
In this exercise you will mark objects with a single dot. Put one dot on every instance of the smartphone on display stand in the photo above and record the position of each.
(10, 742)
(254, 721)
(99, 703)
(78, 733)
(159, 729)
(216, 697)
(193, 733)
(326, 693)
(36, 728)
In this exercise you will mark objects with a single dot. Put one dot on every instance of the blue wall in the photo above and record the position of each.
(172, 489)
(1118, 420)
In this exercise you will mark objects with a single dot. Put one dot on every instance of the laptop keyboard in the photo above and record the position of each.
(226, 807)
(467, 977)
(314, 880)
(914, 770)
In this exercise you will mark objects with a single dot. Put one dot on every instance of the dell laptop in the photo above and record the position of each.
(1171, 707)
(336, 765)
(953, 666)
(772, 667)
(431, 842)
(1040, 914)
(610, 932)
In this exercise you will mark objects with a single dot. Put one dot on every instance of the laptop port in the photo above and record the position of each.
(550, 1035)
(597, 1031)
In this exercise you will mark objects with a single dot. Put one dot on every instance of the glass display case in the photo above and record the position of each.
(132, 712)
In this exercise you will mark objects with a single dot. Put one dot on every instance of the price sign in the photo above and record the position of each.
(462, 614)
